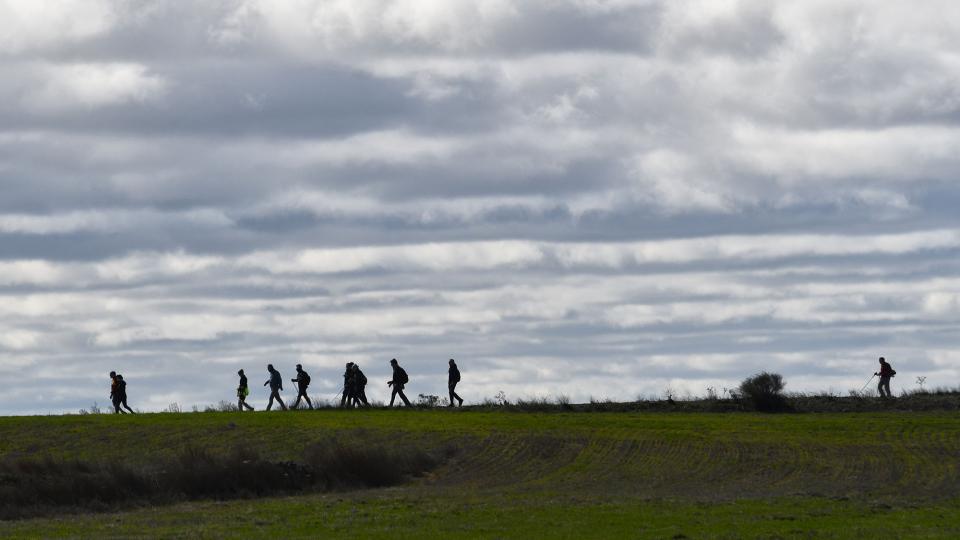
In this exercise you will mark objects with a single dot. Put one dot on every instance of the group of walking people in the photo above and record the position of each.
(353, 393)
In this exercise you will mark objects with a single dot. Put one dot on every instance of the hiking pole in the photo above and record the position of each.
(868, 382)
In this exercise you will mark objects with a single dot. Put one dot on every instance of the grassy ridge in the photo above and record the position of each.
(516, 472)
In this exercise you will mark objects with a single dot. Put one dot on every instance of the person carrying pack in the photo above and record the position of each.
(359, 381)
(400, 379)
(242, 392)
(303, 381)
(120, 394)
(885, 373)
(276, 386)
(453, 377)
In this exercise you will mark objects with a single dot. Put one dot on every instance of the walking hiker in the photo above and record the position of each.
(359, 381)
(346, 397)
(453, 377)
(886, 372)
(242, 392)
(118, 393)
(400, 379)
(303, 381)
(115, 393)
(276, 386)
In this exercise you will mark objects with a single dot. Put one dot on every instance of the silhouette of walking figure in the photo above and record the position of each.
(276, 386)
(242, 392)
(349, 388)
(886, 372)
(303, 381)
(453, 377)
(118, 393)
(399, 380)
(359, 381)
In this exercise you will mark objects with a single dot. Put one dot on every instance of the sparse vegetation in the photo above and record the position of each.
(764, 392)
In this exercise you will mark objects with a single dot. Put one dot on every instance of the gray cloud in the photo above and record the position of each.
(580, 198)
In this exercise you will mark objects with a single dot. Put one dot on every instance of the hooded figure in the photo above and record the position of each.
(359, 381)
(276, 386)
(453, 377)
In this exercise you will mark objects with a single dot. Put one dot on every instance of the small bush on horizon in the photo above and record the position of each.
(764, 390)
(427, 400)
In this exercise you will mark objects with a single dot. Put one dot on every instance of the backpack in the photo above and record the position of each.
(361, 378)
(402, 376)
(305, 379)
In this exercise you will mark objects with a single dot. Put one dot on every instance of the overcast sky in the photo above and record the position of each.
(581, 197)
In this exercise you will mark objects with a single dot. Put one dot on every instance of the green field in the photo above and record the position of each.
(536, 475)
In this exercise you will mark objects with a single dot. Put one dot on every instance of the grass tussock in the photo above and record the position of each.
(44, 486)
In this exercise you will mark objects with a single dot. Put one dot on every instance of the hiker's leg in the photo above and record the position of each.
(124, 403)
(270, 403)
(306, 397)
(280, 400)
(404, 397)
(393, 395)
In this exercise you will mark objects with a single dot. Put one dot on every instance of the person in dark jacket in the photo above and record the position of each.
(400, 379)
(453, 377)
(885, 373)
(276, 386)
(118, 393)
(242, 392)
(359, 381)
(346, 397)
(303, 381)
(122, 393)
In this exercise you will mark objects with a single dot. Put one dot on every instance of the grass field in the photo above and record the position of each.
(536, 475)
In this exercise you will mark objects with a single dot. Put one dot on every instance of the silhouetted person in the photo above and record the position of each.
(303, 381)
(115, 393)
(453, 377)
(242, 392)
(121, 394)
(349, 390)
(400, 379)
(359, 381)
(276, 386)
(885, 373)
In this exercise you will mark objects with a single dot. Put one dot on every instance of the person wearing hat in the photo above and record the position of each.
(303, 381)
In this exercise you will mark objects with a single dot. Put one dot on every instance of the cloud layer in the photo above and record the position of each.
(585, 198)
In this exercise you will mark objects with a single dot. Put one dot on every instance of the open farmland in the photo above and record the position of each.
(519, 474)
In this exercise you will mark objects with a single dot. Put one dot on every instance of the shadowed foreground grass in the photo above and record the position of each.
(533, 475)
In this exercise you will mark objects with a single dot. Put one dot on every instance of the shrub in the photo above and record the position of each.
(763, 390)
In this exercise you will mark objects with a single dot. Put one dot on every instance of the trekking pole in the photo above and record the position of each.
(868, 382)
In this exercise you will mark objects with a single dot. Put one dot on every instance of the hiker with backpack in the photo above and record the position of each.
(242, 392)
(453, 377)
(118, 394)
(886, 372)
(359, 381)
(303, 381)
(400, 379)
(276, 386)
(348, 393)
